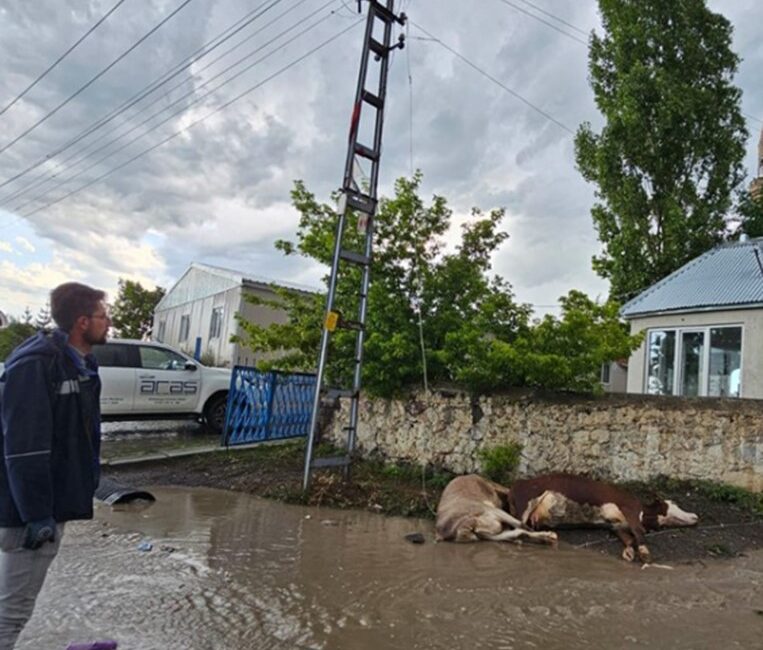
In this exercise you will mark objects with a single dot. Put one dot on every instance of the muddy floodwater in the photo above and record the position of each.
(231, 571)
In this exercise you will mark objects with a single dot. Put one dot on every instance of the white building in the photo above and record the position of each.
(200, 309)
(703, 327)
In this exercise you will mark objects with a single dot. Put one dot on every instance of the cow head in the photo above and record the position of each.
(666, 514)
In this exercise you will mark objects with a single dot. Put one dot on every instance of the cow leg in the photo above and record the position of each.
(511, 535)
(490, 526)
(639, 534)
(629, 554)
(506, 518)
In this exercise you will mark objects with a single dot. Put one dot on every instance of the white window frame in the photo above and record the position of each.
(216, 324)
(185, 319)
(678, 366)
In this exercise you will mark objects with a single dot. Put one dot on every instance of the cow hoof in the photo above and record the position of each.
(629, 554)
(644, 555)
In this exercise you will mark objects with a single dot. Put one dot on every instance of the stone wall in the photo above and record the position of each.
(623, 437)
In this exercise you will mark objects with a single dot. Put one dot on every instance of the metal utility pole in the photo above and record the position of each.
(381, 19)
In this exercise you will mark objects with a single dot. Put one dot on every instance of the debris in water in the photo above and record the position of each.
(415, 538)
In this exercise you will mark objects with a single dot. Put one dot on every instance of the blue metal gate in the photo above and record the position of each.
(267, 405)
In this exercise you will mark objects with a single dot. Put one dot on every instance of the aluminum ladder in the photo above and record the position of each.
(381, 19)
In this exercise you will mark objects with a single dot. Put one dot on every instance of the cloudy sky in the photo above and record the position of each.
(213, 185)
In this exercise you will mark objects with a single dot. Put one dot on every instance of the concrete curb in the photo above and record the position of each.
(182, 453)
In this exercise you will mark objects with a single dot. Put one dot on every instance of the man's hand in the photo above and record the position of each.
(36, 533)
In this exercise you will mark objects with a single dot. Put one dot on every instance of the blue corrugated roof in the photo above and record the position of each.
(725, 277)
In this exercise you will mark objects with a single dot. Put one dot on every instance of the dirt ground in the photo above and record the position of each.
(731, 520)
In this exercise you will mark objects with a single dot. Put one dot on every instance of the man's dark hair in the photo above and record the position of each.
(71, 300)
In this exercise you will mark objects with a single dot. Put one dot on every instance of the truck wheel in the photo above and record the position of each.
(214, 413)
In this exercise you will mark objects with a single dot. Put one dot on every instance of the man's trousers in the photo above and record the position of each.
(22, 573)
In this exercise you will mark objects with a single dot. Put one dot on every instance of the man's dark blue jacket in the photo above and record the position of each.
(50, 432)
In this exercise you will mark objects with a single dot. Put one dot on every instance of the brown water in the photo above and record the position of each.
(250, 573)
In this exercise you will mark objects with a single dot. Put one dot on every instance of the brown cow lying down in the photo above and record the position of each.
(565, 500)
(472, 508)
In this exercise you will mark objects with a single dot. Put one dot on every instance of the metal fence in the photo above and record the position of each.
(267, 406)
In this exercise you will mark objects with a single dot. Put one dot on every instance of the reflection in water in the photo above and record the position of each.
(233, 571)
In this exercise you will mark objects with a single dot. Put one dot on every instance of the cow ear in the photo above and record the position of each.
(657, 506)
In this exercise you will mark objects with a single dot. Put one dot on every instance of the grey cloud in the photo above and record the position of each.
(476, 144)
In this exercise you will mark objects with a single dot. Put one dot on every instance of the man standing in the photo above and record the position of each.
(50, 434)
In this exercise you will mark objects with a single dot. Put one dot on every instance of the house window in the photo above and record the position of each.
(160, 331)
(694, 362)
(185, 326)
(661, 361)
(725, 362)
(216, 323)
(605, 372)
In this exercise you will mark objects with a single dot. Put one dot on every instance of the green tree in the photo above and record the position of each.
(409, 272)
(13, 335)
(133, 310)
(670, 152)
(43, 320)
(749, 210)
(474, 332)
(563, 353)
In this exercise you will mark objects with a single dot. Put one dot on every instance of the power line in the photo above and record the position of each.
(513, 93)
(93, 80)
(410, 95)
(200, 120)
(142, 94)
(62, 57)
(184, 108)
(41, 180)
(555, 17)
(545, 22)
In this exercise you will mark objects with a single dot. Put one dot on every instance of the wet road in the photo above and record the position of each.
(230, 571)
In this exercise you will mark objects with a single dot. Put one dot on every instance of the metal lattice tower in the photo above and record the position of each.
(381, 19)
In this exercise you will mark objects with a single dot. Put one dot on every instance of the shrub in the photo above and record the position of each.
(500, 463)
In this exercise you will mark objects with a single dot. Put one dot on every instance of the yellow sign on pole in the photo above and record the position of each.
(332, 320)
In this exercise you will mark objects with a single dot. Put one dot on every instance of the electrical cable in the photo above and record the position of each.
(545, 22)
(180, 99)
(147, 90)
(93, 80)
(555, 17)
(199, 121)
(513, 93)
(410, 98)
(62, 57)
(43, 179)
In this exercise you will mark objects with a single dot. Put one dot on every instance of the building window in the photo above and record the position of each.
(216, 323)
(695, 362)
(725, 362)
(605, 372)
(160, 331)
(660, 361)
(185, 326)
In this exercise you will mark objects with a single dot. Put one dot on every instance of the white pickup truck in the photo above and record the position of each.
(149, 380)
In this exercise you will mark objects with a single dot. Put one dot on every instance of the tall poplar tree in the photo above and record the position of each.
(669, 156)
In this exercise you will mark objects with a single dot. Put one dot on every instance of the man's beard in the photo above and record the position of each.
(91, 339)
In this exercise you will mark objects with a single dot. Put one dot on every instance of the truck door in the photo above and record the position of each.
(164, 383)
(117, 365)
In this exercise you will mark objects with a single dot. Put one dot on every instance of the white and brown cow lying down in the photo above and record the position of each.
(473, 508)
(566, 500)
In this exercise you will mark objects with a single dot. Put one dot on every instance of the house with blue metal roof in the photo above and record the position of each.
(703, 327)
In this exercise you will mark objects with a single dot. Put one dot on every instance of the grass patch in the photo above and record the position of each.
(500, 463)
